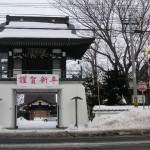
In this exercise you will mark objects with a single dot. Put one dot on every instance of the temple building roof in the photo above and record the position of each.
(31, 98)
(54, 32)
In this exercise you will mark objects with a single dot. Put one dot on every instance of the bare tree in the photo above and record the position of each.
(109, 19)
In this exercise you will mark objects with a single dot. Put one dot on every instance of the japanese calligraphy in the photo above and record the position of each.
(37, 80)
(53, 79)
(33, 79)
(43, 79)
(22, 79)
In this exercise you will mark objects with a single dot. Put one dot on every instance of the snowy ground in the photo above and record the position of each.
(135, 118)
(35, 124)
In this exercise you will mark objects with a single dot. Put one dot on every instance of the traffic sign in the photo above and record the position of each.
(142, 86)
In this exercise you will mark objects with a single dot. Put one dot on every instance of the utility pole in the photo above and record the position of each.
(133, 65)
(130, 23)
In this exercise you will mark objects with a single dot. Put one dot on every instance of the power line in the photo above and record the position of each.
(49, 5)
(82, 20)
(77, 29)
(14, 3)
(44, 5)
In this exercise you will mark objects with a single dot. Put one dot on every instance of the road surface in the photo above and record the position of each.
(78, 143)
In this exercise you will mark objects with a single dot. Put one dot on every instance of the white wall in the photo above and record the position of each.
(7, 104)
(68, 90)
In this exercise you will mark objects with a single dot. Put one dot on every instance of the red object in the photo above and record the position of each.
(142, 86)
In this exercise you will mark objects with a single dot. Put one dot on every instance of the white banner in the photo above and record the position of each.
(37, 80)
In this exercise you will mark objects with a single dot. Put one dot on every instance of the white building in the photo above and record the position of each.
(36, 49)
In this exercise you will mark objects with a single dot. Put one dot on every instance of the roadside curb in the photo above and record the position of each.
(59, 134)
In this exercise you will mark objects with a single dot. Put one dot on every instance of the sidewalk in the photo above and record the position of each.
(64, 133)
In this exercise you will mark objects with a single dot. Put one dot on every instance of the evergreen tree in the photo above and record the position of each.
(115, 88)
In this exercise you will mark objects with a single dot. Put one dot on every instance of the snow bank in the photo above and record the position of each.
(135, 118)
(132, 119)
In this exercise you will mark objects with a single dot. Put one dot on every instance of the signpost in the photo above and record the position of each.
(142, 86)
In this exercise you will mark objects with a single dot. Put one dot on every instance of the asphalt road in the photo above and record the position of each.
(90, 143)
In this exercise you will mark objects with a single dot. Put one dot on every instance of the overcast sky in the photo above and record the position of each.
(27, 7)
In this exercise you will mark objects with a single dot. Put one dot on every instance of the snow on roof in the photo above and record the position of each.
(36, 30)
(36, 25)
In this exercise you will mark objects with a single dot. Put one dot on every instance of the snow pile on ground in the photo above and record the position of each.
(132, 119)
(22, 123)
(135, 118)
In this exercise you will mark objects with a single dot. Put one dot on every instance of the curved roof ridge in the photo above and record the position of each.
(57, 20)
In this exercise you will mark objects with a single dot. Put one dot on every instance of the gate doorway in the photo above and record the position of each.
(37, 108)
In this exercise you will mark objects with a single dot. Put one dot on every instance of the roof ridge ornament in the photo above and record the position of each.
(57, 20)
